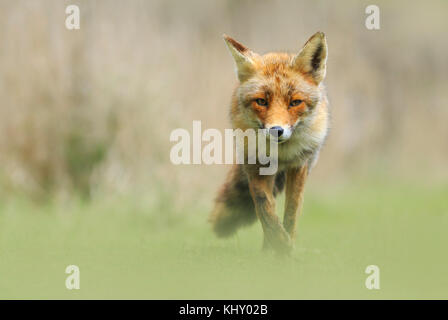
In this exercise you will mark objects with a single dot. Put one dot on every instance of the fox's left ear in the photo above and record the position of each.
(243, 57)
(312, 59)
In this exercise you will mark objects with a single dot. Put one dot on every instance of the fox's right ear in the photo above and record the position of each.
(312, 59)
(243, 58)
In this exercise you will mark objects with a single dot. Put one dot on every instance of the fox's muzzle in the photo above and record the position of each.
(276, 131)
(280, 133)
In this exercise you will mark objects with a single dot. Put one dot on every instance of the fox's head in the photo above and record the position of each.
(279, 91)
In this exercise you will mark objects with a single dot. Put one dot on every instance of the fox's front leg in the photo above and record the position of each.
(295, 185)
(261, 189)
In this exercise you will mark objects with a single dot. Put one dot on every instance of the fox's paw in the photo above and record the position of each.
(279, 241)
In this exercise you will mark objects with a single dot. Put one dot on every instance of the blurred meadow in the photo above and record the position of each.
(86, 179)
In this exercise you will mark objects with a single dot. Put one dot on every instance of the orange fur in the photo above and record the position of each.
(275, 90)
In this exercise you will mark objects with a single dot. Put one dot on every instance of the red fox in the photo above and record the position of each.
(284, 94)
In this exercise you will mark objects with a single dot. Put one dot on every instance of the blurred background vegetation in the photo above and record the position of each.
(86, 115)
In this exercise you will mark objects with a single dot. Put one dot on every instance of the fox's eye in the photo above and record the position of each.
(261, 102)
(295, 103)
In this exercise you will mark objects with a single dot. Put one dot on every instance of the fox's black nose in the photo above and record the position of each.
(276, 131)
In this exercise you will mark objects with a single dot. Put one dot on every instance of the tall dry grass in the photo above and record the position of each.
(91, 110)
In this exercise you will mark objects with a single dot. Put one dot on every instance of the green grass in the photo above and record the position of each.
(127, 250)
